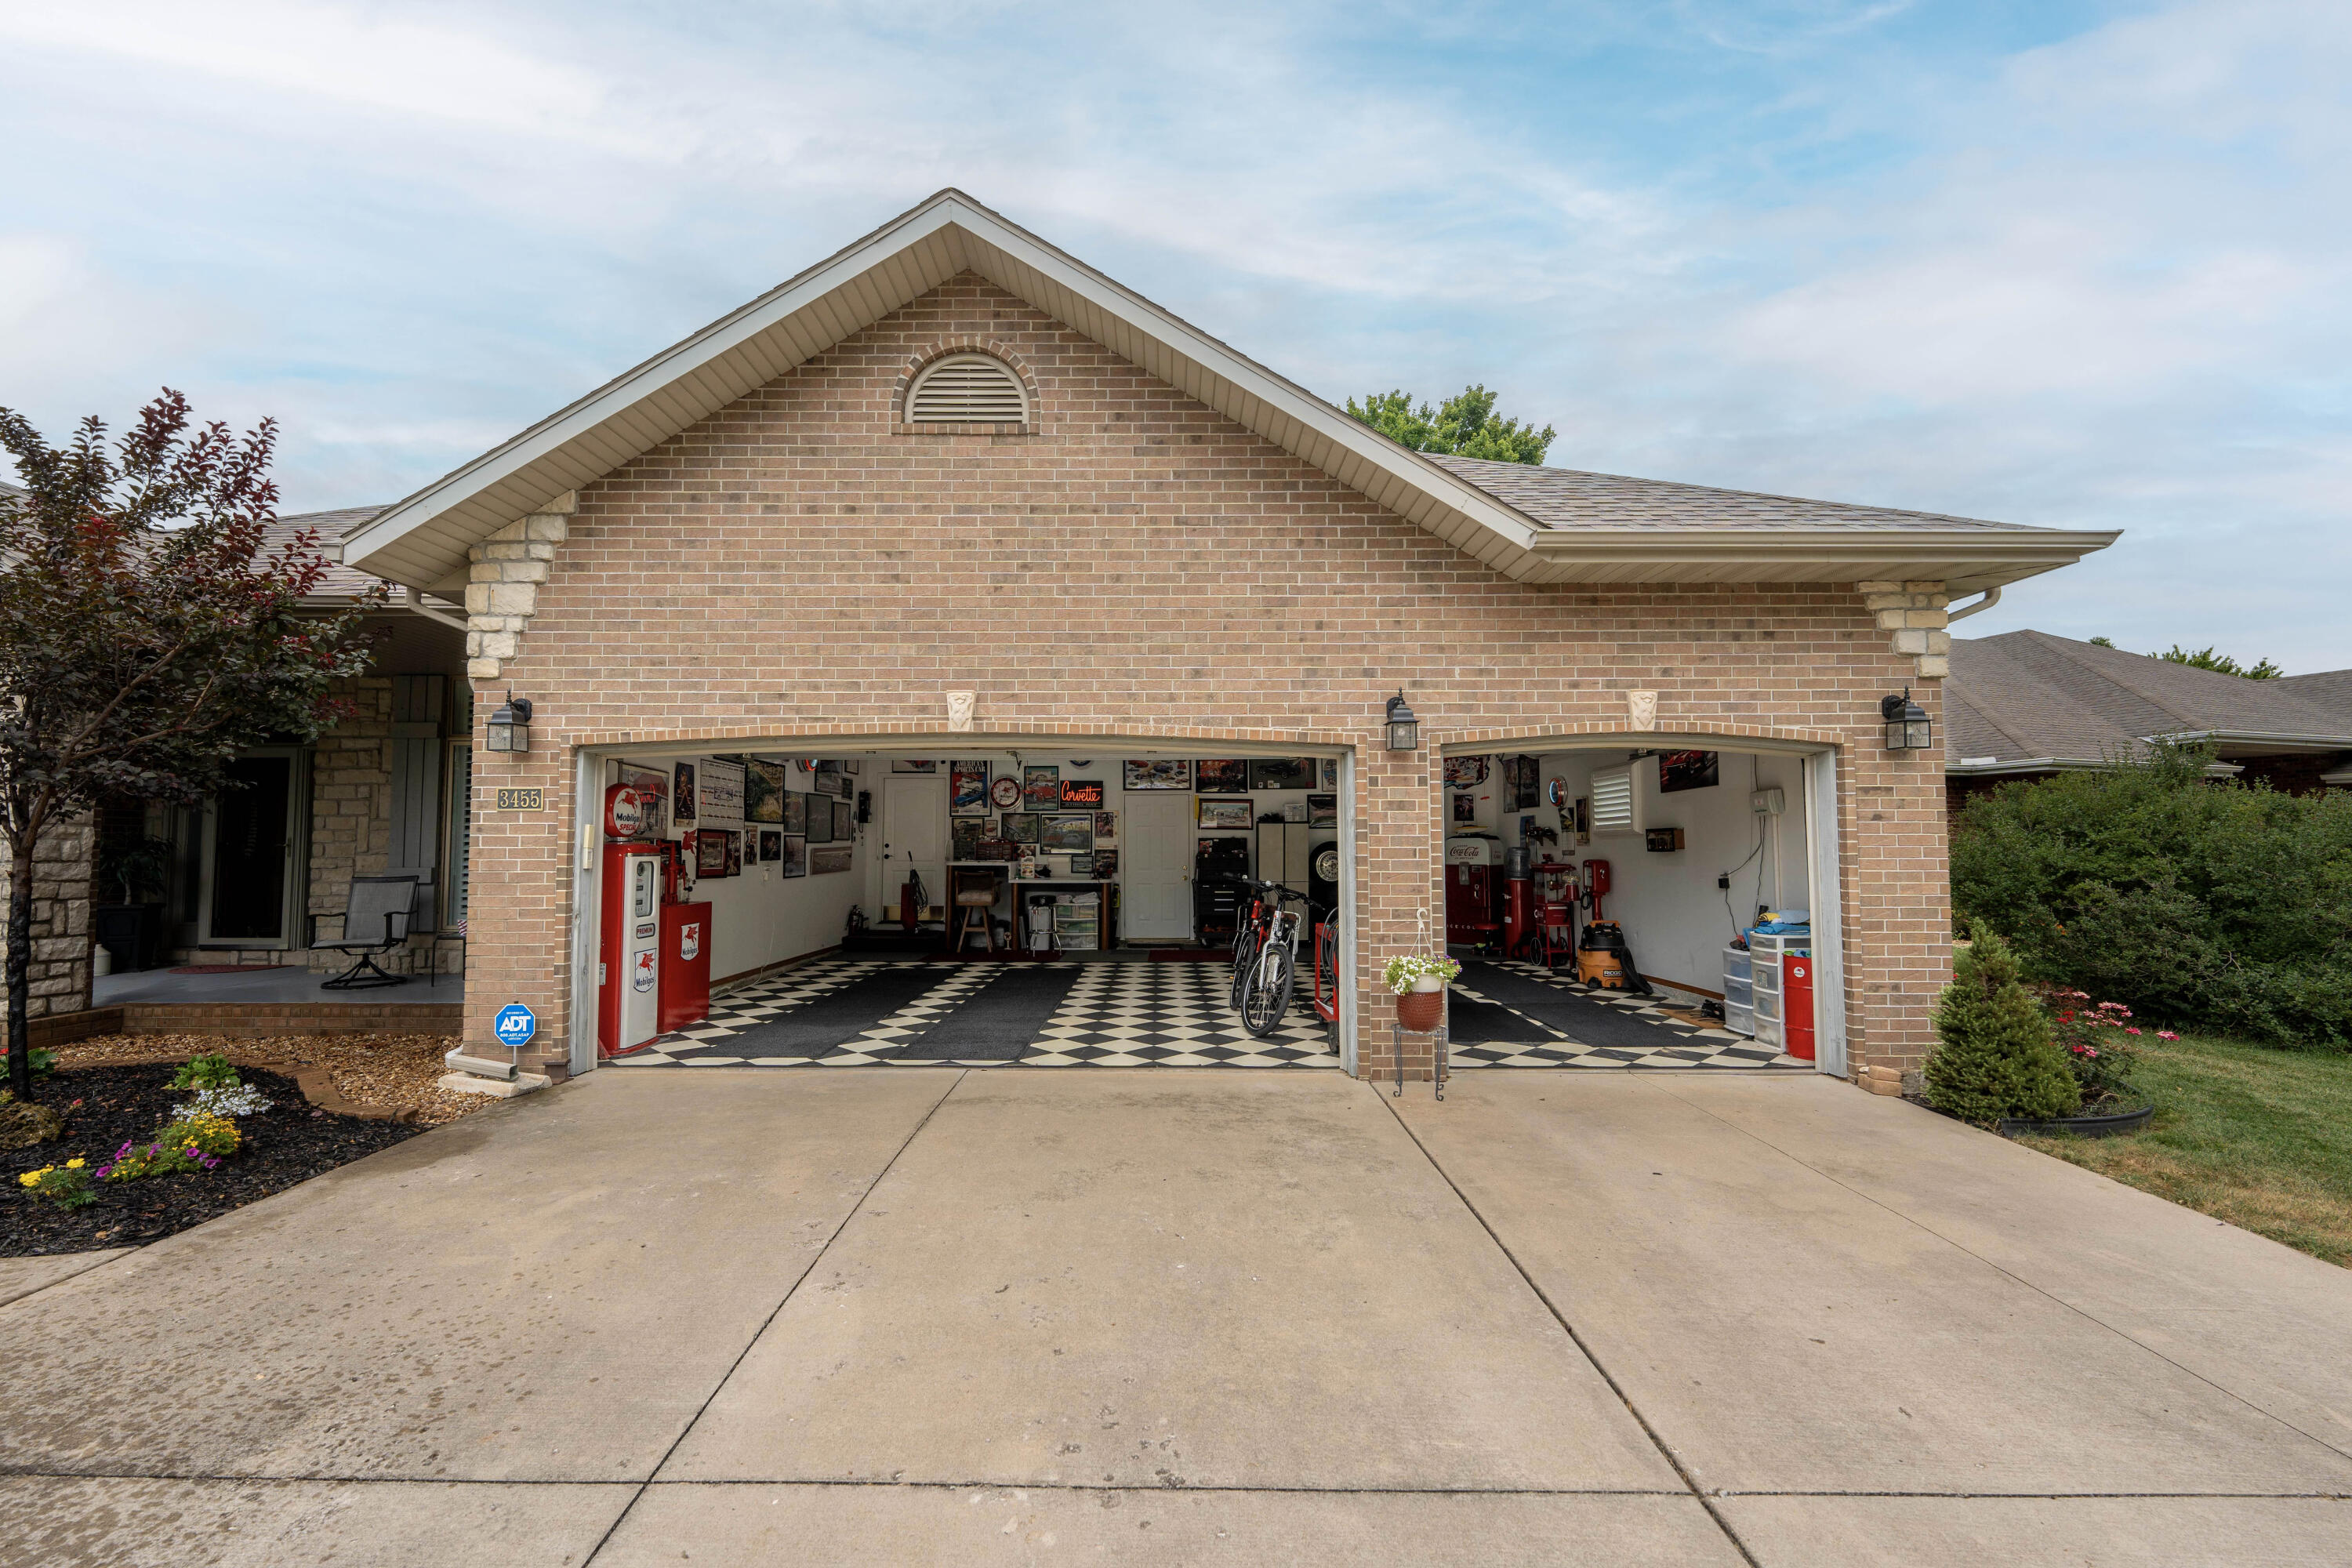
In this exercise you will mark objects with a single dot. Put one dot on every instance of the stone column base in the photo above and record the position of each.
(467, 1083)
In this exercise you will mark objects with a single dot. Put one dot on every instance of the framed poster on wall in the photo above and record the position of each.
(1687, 769)
(795, 856)
(763, 790)
(652, 785)
(1327, 771)
(909, 765)
(722, 791)
(1465, 772)
(1105, 828)
(681, 799)
(1222, 814)
(1087, 793)
(1021, 827)
(1040, 786)
(967, 789)
(1157, 772)
(844, 822)
(1465, 809)
(820, 820)
(832, 783)
(1282, 773)
(1322, 811)
(796, 813)
(734, 838)
(831, 858)
(1522, 783)
(771, 844)
(1221, 777)
(1067, 834)
(710, 853)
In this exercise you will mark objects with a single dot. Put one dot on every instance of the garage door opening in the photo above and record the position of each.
(1049, 906)
(1638, 908)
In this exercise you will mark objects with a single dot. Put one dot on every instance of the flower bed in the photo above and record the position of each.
(124, 1124)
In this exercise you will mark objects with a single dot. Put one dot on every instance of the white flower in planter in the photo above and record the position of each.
(1418, 973)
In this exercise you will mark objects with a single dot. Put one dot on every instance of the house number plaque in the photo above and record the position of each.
(534, 799)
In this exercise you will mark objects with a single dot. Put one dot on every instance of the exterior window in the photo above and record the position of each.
(1612, 800)
(967, 389)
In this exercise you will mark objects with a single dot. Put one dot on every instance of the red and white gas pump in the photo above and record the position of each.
(628, 953)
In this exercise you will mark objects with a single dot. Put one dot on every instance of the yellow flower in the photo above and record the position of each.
(74, 1163)
(31, 1178)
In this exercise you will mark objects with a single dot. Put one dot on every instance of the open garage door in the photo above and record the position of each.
(1054, 904)
(1643, 908)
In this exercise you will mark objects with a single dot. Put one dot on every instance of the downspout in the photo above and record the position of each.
(1992, 597)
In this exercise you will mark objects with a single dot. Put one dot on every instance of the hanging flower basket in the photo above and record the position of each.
(1420, 985)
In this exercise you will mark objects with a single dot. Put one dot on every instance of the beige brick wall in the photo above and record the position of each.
(1140, 565)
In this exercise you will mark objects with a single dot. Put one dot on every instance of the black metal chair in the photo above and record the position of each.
(376, 916)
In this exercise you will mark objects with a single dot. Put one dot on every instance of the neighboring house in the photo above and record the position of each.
(258, 873)
(952, 494)
(2028, 705)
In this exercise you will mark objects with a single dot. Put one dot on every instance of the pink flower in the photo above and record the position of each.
(2131, 1031)
(2166, 1034)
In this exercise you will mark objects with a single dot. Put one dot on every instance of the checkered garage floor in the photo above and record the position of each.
(862, 1010)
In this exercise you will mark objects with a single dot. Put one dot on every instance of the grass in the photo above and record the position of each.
(2252, 1134)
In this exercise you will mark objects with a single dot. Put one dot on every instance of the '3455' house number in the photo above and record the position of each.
(522, 799)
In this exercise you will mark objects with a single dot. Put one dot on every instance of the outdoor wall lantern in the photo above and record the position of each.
(510, 724)
(1907, 727)
(1404, 729)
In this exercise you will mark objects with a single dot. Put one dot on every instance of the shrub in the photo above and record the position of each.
(66, 1185)
(2188, 900)
(44, 1062)
(2100, 1045)
(23, 1123)
(1998, 1055)
(211, 1070)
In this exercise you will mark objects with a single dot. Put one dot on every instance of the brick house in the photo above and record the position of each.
(2028, 705)
(952, 460)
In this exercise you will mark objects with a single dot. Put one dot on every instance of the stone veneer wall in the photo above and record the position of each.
(1136, 565)
(61, 928)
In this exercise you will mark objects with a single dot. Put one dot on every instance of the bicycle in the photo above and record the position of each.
(1266, 993)
(1249, 933)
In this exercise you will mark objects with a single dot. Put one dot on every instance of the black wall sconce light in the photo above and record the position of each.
(509, 727)
(1908, 726)
(1404, 729)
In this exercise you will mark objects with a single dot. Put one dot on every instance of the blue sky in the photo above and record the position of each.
(2074, 264)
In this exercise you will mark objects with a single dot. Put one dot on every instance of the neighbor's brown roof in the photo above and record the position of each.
(1572, 498)
(2028, 695)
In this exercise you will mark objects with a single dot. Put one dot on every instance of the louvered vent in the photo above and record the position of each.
(968, 389)
(1612, 800)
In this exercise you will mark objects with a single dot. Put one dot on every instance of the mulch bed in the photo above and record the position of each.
(289, 1142)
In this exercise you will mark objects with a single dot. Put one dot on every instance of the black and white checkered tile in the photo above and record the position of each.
(1681, 1044)
(1115, 1015)
(1172, 1015)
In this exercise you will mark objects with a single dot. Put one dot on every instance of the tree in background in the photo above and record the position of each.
(2206, 658)
(147, 633)
(1464, 426)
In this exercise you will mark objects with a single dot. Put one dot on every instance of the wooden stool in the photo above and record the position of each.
(975, 898)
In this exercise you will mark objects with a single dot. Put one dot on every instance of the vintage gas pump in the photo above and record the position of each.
(628, 963)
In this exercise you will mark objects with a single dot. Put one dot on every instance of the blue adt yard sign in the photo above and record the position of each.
(515, 1025)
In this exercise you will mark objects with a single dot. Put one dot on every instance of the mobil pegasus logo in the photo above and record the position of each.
(689, 938)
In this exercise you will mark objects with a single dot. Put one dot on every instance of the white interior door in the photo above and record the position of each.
(914, 835)
(1156, 866)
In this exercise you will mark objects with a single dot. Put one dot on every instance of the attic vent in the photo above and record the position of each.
(967, 389)
(1612, 800)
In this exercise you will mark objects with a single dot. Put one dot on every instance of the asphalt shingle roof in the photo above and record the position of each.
(1571, 498)
(2030, 694)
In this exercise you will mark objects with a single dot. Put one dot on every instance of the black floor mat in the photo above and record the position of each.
(999, 1021)
(837, 1017)
(1470, 1022)
(1586, 1022)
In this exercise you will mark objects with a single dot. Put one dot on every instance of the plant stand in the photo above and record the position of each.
(1397, 1033)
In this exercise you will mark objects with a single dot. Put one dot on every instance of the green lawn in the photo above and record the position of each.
(2255, 1135)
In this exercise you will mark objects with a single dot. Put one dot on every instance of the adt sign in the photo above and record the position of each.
(515, 1025)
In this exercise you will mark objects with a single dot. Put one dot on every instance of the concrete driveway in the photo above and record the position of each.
(1186, 1317)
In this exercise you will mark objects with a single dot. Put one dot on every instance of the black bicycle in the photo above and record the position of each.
(1263, 982)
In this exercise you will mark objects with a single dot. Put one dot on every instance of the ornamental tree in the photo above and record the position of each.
(149, 631)
(1998, 1055)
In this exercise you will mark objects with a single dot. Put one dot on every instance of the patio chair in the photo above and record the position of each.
(375, 921)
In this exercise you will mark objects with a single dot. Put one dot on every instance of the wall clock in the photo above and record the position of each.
(1005, 793)
(1556, 792)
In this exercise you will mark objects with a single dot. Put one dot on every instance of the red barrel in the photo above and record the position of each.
(1796, 1005)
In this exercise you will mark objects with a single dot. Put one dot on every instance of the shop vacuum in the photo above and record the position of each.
(1603, 959)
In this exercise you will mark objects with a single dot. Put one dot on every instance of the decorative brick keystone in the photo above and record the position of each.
(502, 584)
(1916, 614)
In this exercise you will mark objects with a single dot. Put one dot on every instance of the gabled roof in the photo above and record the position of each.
(1710, 535)
(2029, 697)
